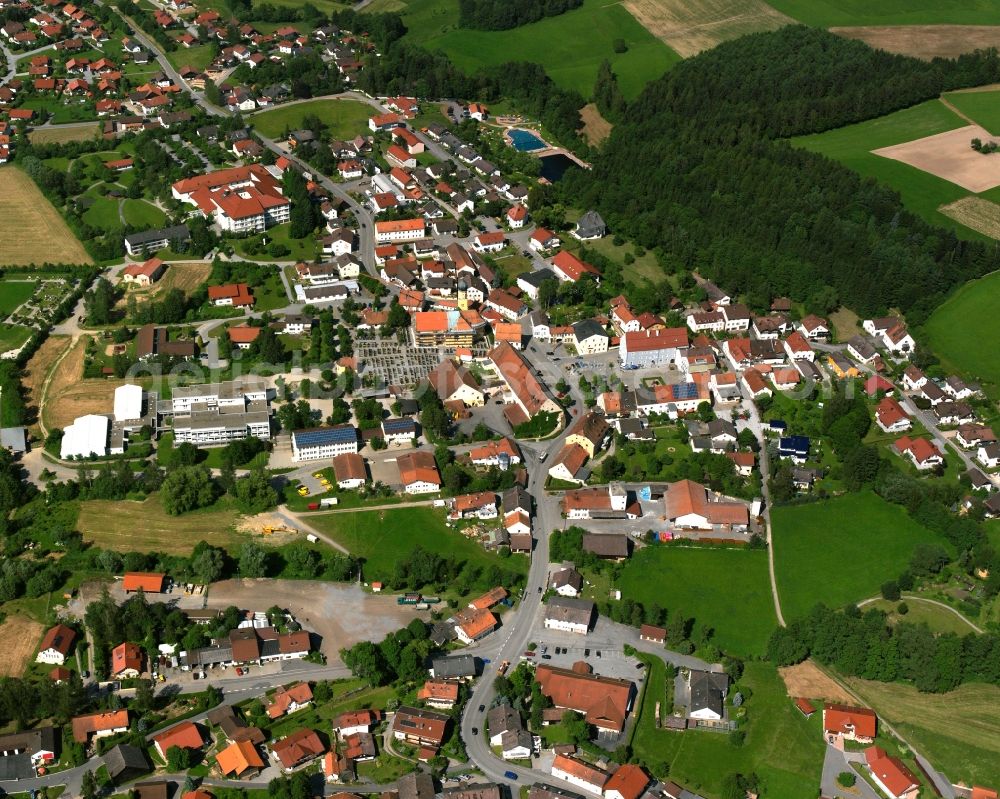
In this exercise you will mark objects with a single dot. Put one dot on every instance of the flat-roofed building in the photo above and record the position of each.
(324, 442)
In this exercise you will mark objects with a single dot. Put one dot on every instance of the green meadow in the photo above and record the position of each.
(831, 13)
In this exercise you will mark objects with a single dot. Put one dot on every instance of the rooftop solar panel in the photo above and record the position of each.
(324, 435)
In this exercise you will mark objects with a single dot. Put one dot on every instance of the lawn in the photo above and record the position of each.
(13, 336)
(13, 293)
(936, 618)
(840, 550)
(300, 249)
(829, 13)
(644, 269)
(781, 746)
(103, 214)
(345, 118)
(571, 46)
(921, 192)
(197, 57)
(968, 315)
(983, 107)
(113, 525)
(726, 589)
(959, 732)
(143, 214)
(384, 538)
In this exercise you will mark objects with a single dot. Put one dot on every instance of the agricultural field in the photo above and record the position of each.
(829, 13)
(976, 213)
(62, 135)
(840, 550)
(704, 583)
(570, 46)
(13, 293)
(31, 230)
(782, 747)
(921, 192)
(19, 636)
(968, 315)
(959, 732)
(925, 41)
(384, 538)
(345, 118)
(687, 28)
(112, 525)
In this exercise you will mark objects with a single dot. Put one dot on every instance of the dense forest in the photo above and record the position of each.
(866, 645)
(500, 15)
(701, 168)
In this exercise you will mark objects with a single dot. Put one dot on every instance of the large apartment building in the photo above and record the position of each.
(243, 199)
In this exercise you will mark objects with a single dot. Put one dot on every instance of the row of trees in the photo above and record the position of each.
(428, 570)
(866, 645)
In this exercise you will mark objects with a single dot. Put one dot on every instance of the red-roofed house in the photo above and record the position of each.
(55, 645)
(629, 782)
(920, 451)
(144, 274)
(235, 294)
(845, 723)
(891, 417)
(126, 660)
(185, 735)
(569, 268)
(891, 775)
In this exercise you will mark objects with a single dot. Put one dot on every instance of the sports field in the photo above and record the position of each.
(13, 293)
(840, 550)
(921, 192)
(570, 46)
(112, 525)
(726, 589)
(828, 13)
(31, 231)
(387, 537)
(690, 26)
(345, 118)
(969, 315)
(782, 747)
(959, 732)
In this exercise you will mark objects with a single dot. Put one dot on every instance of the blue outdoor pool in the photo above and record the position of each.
(525, 140)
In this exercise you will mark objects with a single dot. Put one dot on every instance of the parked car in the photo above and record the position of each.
(510, 775)
(482, 708)
(475, 730)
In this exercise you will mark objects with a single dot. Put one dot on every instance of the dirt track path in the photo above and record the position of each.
(43, 393)
(955, 111)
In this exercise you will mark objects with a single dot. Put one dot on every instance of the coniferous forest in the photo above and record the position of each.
(700, 166)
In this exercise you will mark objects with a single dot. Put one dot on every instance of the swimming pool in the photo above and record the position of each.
(525, 140)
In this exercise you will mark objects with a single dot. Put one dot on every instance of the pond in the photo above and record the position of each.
(555, 166)
(525, 140)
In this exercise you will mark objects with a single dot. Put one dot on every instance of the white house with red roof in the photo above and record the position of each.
(569, 269)
(517, 215)
(543, 239)
(920, 451)
(890, 416)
